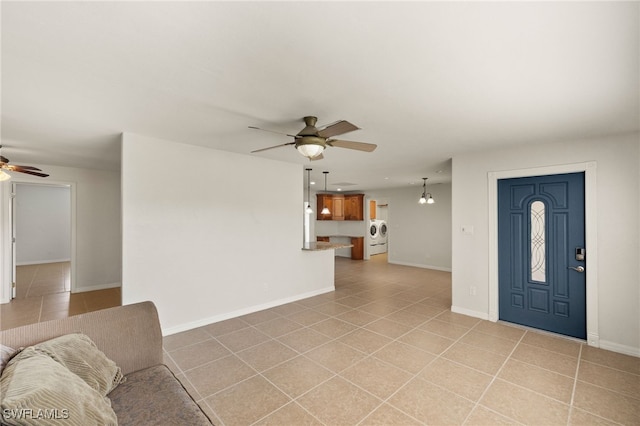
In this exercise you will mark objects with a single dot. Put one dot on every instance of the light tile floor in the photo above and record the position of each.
(385, 349)
(43, 294)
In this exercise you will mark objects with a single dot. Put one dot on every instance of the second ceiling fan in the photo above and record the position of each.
(312, 141)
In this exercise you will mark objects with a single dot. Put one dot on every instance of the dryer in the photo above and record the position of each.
(382, 236)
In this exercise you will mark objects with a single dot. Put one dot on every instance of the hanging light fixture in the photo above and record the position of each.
(325, 209)
(426, 197)
(309, 150)
(3, 175)
(308, 210)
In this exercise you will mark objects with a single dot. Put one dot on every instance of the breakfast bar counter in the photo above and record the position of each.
(323, 245)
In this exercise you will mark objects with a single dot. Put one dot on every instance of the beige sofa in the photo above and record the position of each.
(131, 337)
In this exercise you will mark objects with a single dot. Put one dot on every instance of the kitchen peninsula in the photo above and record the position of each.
(357, 244)
(324, 245)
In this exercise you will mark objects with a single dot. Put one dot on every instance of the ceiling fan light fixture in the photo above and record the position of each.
(4, 176)
(310, 150)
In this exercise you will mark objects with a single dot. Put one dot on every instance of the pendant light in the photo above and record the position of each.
(4, 175)
(325, 210)
(426, 197)
(308, 210)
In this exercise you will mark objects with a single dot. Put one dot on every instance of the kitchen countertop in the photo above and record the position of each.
(342, 236)
(321, 245)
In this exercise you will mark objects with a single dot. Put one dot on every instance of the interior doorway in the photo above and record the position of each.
(41, 234)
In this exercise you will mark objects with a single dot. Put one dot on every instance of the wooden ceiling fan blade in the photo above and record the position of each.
(32, 173)
(271, 131)
(16, 168)
(338, 128)
(317, 157)
(359, 146)
(272, 147)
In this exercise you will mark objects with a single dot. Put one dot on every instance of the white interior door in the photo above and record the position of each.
(12, 225)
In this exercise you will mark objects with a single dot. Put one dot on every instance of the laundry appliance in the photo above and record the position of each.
(382, 236)
(377, 242)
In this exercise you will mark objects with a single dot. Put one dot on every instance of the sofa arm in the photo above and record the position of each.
(129, 335)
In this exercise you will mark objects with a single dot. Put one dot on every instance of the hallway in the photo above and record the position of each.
(43, 293)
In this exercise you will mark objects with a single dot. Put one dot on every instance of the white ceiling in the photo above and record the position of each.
(424, 80)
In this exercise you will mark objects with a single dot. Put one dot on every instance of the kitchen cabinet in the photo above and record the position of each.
(353, 207)
(324, 200)
(342, 207)
(357, 251)
(372, 209)
(338, 207)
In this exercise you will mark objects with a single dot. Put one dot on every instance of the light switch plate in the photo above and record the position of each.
(467, 229)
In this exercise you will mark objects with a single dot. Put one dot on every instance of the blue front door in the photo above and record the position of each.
(541, 253)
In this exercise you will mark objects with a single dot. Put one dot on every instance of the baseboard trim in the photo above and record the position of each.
(469, 312)
(244, 311)
(617, 347)
(96, 287)
(418, 265)
(39, 262)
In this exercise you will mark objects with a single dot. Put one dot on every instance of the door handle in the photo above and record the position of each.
(577, 269)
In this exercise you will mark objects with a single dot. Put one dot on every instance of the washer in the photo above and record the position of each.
(373, 231)
(375, 244)
(372, 237)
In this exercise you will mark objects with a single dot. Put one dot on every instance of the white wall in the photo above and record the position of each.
(202, 243)
(618, 234)
(419, 234)
(43, 224)
(97, 226)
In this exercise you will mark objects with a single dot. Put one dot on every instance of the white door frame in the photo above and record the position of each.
(6, 257)
(590, 204)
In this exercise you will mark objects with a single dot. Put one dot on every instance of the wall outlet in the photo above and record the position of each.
(472, 291)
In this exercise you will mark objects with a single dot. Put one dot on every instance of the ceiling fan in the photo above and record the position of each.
(312, 141)
(4, 165)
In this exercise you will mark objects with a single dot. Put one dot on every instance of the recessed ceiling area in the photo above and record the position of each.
(425, 81)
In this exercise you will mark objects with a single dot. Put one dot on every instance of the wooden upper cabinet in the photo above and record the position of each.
(338, 207)
(354, 207)
(324, 200)
(372, 209)
(342, 207)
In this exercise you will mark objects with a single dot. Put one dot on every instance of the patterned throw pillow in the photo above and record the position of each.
(81, 356)
(37, 390)
(5, 355)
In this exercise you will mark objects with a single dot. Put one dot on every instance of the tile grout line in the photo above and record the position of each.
(575, 385)
(493, 379)
(335, 374)
(414, 375)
